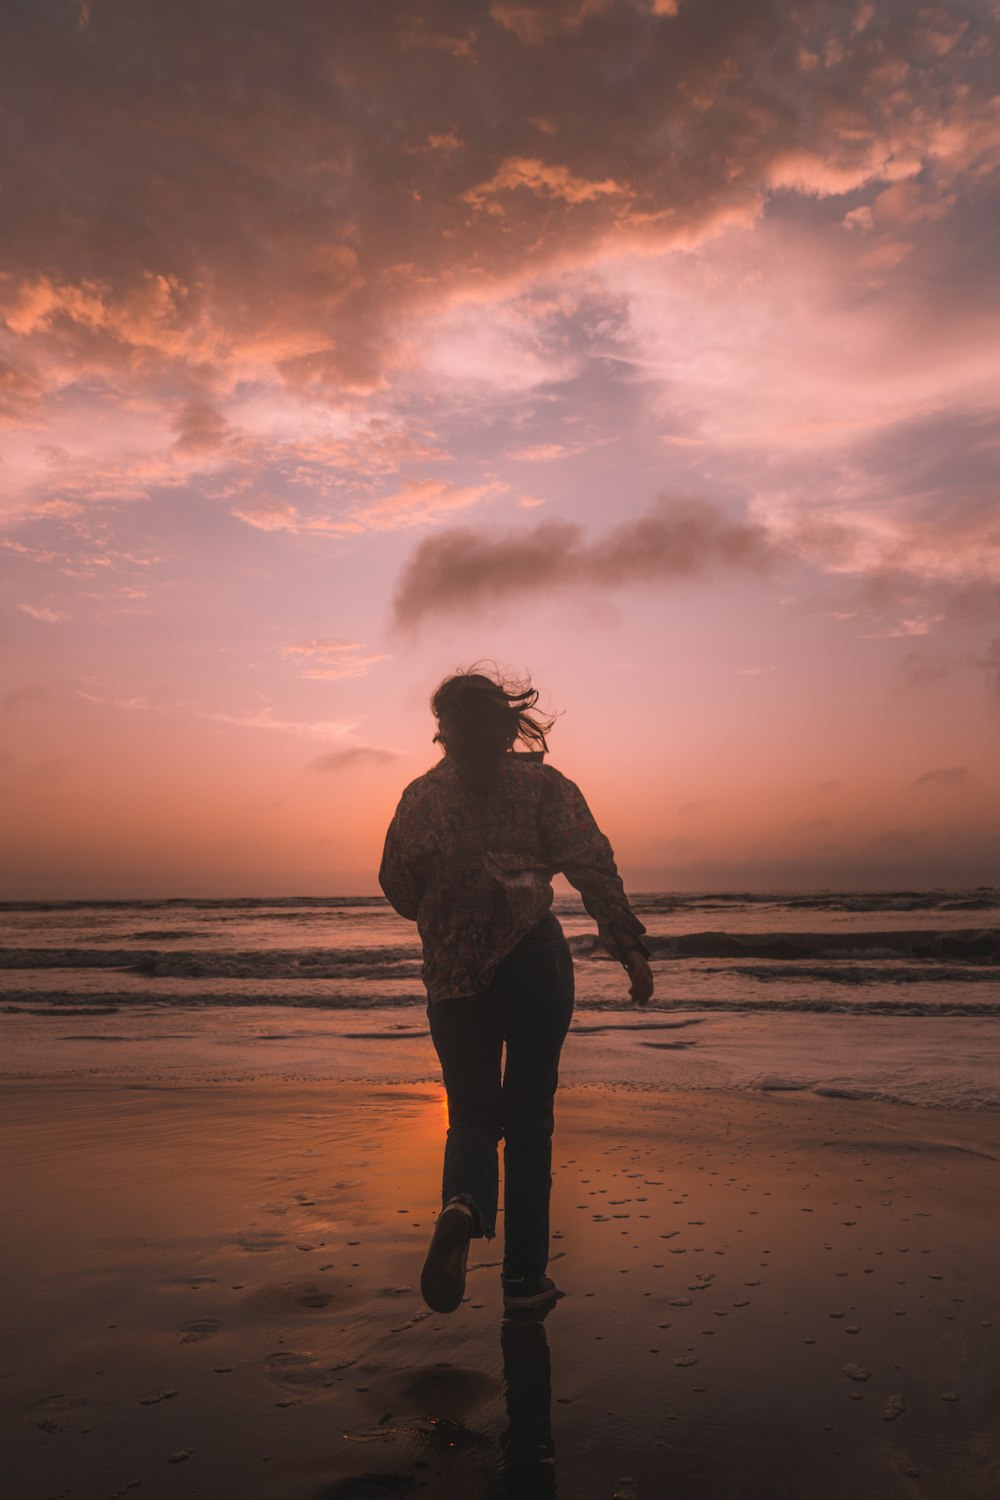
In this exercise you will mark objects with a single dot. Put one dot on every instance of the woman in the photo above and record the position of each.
(469, 856)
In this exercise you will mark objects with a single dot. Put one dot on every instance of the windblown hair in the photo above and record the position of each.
(481, 718)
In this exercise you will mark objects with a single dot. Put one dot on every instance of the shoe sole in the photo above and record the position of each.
(442, 1281)
(537, 1299)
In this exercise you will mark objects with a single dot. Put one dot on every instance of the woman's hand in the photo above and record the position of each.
(641, 976)
(634, 962)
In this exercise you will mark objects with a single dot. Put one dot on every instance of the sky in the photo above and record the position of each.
(650, 348)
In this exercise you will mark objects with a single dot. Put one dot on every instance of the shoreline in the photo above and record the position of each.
(933, 1062)
(215, 1293)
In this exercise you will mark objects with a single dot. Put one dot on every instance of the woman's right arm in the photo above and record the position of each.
(398, 874)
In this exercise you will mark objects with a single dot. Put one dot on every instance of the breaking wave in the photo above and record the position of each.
(844, 956)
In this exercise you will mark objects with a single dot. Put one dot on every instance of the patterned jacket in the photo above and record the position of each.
(474, 872)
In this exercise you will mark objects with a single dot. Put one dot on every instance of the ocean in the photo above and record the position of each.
(890, 995)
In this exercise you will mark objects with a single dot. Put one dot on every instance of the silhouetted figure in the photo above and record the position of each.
(470, 856)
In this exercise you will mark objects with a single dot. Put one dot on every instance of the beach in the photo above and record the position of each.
(774, 1214)
(213, 1291)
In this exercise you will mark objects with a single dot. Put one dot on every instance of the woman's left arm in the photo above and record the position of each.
(578, 848)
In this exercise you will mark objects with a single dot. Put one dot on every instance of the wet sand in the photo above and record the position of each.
(211, 1291)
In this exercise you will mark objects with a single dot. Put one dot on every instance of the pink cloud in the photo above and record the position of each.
(543, 179)
(544, 453)
(534, 24)
(43, 613)
(420, 502)
(352, 755)
(200, 428)
(331, 659)
(264, 717)
(269, 517)
(425, 502)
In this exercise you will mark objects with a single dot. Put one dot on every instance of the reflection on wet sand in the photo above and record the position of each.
(527, 1454)
(213, 1291)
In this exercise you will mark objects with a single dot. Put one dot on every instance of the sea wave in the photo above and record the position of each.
(200, 903)
(64, 1002)
(979, 946)
(980, 898)
(858, 974)
(255, 963)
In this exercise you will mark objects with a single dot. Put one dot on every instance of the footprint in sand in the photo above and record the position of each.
(438, 1391)
(299, 1371)
(279, 1298)
(198, 1329)
(259, 1244)
(44, 1413)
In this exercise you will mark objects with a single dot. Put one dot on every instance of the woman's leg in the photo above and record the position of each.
(539, 1007)
(468, 1037)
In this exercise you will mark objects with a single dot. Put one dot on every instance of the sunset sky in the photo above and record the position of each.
(650, 346)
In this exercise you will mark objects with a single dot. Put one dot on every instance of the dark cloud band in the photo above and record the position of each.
(464, 568)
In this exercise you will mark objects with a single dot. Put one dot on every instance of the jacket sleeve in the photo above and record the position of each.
(575, 845)
(398, 875)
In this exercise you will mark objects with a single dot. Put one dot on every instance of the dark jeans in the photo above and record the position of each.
(529, 1006)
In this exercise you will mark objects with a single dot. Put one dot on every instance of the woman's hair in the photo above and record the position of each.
(481, 718)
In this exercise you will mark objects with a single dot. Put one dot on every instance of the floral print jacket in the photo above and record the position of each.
(474, 872)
